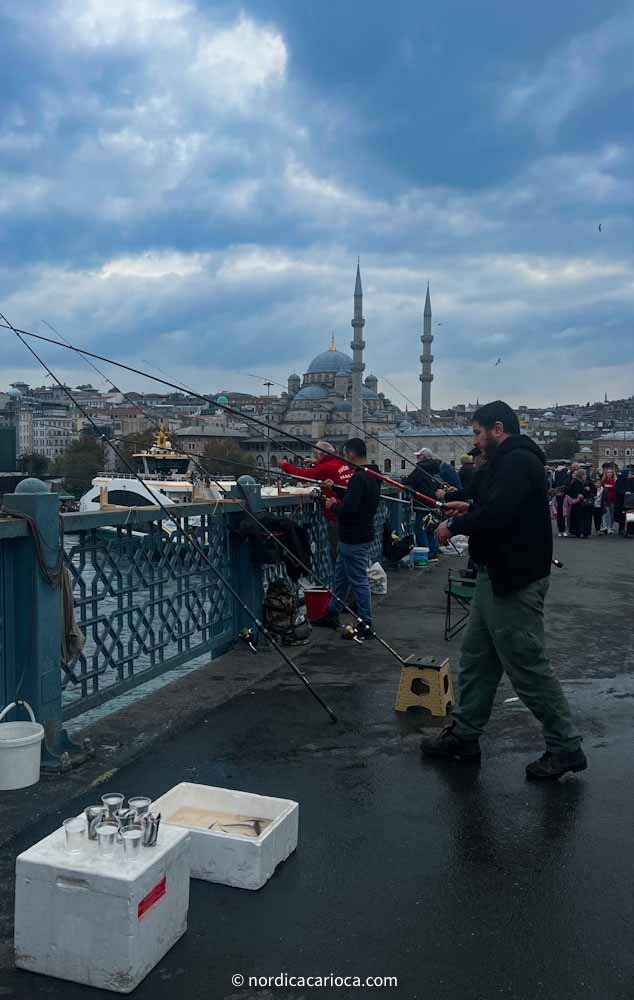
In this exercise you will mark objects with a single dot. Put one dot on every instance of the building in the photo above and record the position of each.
(426, 359)
(332, 402)
(195, 438)
(615, 446)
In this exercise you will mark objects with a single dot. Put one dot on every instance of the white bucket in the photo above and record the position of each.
(419, 556)
(20, 750)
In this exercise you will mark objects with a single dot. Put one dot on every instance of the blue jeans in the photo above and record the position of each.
(351, 574)
(424, 538)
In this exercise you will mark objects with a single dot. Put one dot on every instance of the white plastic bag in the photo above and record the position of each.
(458, 546)
(377, 578)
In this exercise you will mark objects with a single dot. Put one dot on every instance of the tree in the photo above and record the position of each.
(131, 443)
(79, 464)
(34, 464)
(565, 445)
(225, 458)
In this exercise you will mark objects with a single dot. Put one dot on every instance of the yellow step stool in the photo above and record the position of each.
(425, 684)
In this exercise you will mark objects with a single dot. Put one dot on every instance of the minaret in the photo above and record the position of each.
(426, 357)
(357, 346)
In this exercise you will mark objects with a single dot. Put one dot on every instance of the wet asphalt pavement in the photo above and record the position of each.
(465, 883)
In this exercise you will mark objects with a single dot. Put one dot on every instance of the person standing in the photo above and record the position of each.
(609, 497)
(355, 520)
(597, 504)
(581, 493)
(510, 539)
(466, 471)
(331, 471)
(425, 478)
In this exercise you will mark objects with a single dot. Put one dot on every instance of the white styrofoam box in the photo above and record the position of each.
(96, 920)
(243, 862)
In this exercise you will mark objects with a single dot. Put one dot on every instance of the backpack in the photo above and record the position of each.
(285, 615)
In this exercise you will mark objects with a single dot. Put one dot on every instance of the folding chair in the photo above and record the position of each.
(460, 591)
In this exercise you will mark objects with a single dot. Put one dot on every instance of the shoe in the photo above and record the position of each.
(450, 746)
(328, 620)
(565, 534)
(560, 535)
(551, 766)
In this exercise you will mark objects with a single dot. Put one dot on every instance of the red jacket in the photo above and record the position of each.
(328, 467)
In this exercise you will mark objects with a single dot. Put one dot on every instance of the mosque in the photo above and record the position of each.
(333, 402)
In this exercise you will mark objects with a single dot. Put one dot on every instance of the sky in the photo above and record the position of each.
(188, 186)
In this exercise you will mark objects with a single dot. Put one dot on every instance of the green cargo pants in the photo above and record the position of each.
(506, 635)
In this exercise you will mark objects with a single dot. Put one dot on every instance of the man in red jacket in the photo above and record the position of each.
(327, 469)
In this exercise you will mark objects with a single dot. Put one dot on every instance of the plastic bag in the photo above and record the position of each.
(377, 578)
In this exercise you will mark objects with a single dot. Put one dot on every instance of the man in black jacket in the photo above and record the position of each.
(510, 538)
(355, 520)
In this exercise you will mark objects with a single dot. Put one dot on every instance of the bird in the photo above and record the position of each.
(498, 362)
(600, 230)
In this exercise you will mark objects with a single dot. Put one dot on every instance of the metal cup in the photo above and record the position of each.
(151, 824)
(94, 816)
(140, 804)
(132, 838)
(112, 801)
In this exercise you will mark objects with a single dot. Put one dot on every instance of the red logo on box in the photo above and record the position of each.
(152, 897)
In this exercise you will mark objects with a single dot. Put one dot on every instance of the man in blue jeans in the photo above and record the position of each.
(355, 520)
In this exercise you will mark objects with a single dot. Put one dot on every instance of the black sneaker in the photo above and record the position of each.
(329, 620)
(450, 746)
(551, 766)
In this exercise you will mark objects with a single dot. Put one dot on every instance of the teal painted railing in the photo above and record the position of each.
(145, 600)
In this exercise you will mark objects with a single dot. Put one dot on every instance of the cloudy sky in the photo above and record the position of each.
(190, 183)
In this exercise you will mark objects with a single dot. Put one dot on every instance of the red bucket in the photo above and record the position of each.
(316, 603)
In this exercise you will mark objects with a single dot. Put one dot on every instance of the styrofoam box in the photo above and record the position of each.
(231, 859)
(96, 920)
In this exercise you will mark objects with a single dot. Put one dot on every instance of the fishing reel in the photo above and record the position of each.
(357, 632)
(250, 637)
(433, 518)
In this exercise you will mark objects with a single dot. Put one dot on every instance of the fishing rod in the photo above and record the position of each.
(430, 501)
(187, 534)
(140, 406)
(373, 437)
(354, 630)
(360, 624)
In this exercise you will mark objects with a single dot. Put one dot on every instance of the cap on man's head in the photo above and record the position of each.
(474, 452)
(423, 453)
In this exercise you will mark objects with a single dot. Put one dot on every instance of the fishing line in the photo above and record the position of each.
(185, 531)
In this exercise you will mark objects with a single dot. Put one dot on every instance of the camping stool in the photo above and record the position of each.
(460, 591)
(425, 684)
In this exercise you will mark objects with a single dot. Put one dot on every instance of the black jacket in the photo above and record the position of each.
(509, 526)
(424, 478)
(355, 516)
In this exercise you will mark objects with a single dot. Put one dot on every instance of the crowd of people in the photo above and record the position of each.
(583, 499)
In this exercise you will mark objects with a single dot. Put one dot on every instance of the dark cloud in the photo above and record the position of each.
(186, 180)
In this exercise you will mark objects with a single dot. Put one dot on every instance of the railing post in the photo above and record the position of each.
(37, 609)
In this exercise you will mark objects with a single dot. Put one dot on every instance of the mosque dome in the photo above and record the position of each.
(222, 399)
(331, 362)
(342, 405)
(311, 392)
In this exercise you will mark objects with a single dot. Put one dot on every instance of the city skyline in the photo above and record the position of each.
(192, 184)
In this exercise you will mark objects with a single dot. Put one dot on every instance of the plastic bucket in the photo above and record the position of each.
(316, 603)
(20, 750)
(419, 556)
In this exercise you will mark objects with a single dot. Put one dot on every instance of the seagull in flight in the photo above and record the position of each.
(600, 230)
(498, 362)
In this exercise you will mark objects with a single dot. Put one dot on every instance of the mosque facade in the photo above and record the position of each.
(333, 402)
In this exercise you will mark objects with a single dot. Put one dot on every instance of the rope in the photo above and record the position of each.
(53, 576)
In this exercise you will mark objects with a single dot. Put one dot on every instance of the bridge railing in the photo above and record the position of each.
(144, 597)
